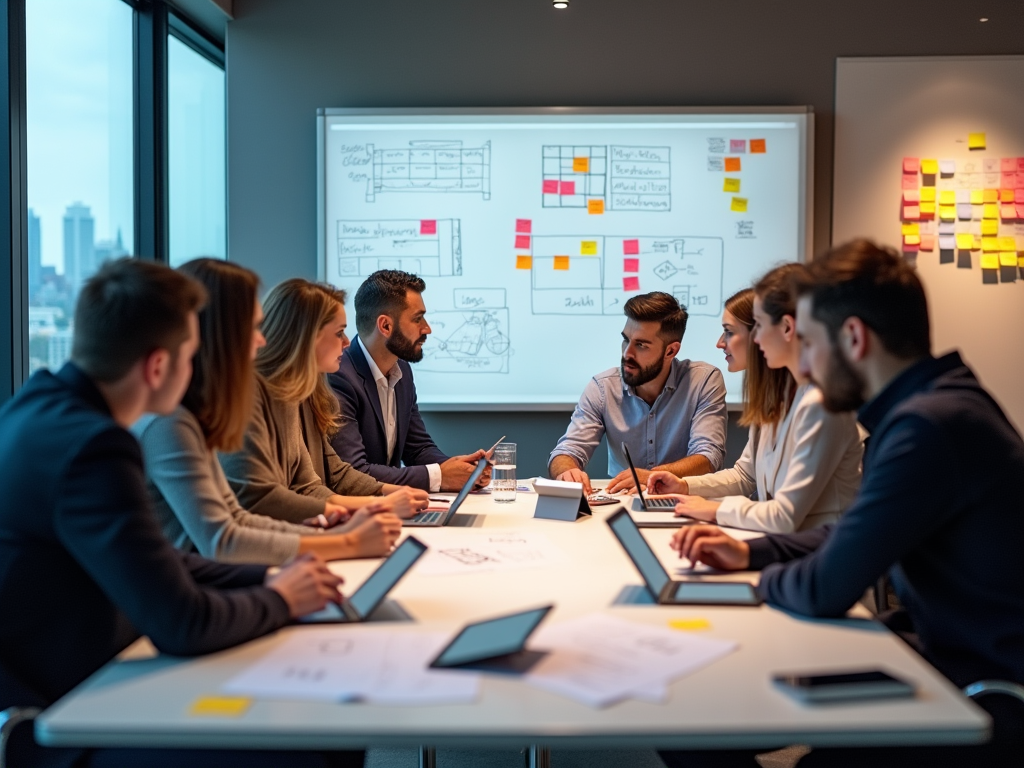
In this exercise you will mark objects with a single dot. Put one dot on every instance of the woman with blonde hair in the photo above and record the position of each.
(287, 468)
(195, 505)
(802, 461)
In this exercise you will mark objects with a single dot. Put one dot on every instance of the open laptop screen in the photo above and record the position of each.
(639, 552)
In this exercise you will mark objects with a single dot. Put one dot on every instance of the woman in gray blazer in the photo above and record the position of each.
(802, 461)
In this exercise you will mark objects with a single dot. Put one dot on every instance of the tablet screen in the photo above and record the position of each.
(487, 639)
(716, 592)
(375, 588)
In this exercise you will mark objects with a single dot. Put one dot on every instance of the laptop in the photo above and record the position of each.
(371, 594)
(663, 589)
(438, 517)
(647, 505)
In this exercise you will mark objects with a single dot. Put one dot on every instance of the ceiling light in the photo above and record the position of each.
(983, 18)
(560, 3)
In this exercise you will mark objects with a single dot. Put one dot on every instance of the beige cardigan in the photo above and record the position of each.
(807, 471)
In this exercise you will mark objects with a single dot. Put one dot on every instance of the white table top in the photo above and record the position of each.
(730, 703)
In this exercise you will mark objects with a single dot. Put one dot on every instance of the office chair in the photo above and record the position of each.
(985, 687)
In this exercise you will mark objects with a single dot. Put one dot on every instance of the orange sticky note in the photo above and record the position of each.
(991, 196)
(732, 164)
(927, 242)
(1006, 195)
(581, 164)
(595, 205)
(758, 146)
(524, 262)
(739, 204)
(562, 262)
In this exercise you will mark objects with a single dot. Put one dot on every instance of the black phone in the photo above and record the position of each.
(843, 686)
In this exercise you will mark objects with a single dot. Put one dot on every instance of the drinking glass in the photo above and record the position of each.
(503, 473)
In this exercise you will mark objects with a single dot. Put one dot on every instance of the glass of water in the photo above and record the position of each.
(503, 474)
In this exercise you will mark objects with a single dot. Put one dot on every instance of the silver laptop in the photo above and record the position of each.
(647, 505)
(436, 518)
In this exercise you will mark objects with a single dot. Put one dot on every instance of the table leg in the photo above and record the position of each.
(428, 757)
(538, 757)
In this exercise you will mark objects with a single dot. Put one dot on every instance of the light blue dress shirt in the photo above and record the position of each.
(688, 419)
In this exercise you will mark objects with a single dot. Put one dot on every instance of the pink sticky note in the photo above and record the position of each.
(911, 164)
(1020, 210)
(907, 248)
(631, 247)
(522, 241)
(1020, 179)
(550, 186)
(1018, 195)
(1008, 180)
(631, 283)
(910, 181)
(1008, 165)
(567, 188)
(631, 265)
(911, 195)
(911, 212)
(737, 145)
(428, 226)
(1020, 165)
(524, 225)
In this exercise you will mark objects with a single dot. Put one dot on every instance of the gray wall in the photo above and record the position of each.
(285, 58)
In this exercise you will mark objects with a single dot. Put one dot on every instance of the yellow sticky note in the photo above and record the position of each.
(1008, 258)
(911, 239)
(731, 185)
(739, 204)
(562, 262)
(581, 165)
(927, 194)
(595, 205)
(1020, 262)
(947, 197)
(991, 195)
(947, 212)
(990, 227)
(929, 167)
(989, 244)
(977, 196)
(965, 241)
(588, 248)
(690, 625)
(524, 262)
(927, 208)
(976, 141)
(1007, 244)
(911, 229)
(220, 706)
(990, 211)
(990, 261)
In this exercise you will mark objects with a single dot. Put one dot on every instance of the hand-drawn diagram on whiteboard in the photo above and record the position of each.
(597, 274)
(472, 338)
(624, 178)
(431, 247)
(431, 166)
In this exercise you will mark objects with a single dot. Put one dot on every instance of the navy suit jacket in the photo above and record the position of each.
(84, 566)
(362, 441)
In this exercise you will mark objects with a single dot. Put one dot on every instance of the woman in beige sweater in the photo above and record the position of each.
(295, 412)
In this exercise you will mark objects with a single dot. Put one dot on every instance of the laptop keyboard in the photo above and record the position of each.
(427, 517)
(660, 503)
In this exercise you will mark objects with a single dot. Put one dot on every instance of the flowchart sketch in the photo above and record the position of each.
(597, 274)
(641, 179)
(473, 338)
(429, 247)
(573, 174)
(431, 166)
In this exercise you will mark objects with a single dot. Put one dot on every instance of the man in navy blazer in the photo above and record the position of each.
(382, 432)
(84, 566)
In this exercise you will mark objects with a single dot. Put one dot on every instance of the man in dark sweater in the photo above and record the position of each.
(84, 567)
(941, 507)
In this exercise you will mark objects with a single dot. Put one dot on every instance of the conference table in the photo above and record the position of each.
(729, 704)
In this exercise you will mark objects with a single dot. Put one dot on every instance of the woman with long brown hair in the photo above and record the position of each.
(802, 461)
(196, 507)
(287, 468)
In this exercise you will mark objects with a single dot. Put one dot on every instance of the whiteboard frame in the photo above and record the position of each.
(806, 207)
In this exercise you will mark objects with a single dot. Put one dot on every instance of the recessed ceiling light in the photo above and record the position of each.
(560, 3)
(983, 18)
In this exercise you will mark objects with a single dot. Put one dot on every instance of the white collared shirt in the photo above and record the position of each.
(389, 410)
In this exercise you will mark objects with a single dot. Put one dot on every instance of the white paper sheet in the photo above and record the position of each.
(470, 550)
(600, 659)
(356, 663)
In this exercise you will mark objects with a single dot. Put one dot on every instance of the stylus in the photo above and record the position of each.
(489, 452)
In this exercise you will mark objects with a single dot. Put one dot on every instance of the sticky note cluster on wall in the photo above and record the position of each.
(733, 164)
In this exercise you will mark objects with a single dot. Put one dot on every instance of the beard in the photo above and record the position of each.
(642, 376)
(404, 348)
(843, 388)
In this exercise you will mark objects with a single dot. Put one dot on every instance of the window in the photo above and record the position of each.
(196, 162)
(79, 158)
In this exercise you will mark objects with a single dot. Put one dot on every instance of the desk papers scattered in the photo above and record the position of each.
(349, 663)
(599, 659)
(469, 550)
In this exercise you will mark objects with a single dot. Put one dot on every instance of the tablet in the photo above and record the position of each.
(714, 593)
(496, 645)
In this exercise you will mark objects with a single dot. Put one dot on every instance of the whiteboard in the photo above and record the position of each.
(888, 109)
(533, 227)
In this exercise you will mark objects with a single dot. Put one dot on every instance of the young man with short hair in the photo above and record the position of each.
(670, 413)
(939, 509)
(382, 432)
(84, 567)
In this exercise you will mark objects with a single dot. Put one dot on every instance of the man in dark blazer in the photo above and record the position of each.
(382, 432)
(84, 567)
